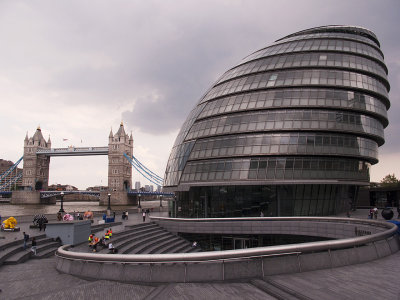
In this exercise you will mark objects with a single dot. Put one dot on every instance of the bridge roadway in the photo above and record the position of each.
(38, 279)
(49, 194)
(73, 151)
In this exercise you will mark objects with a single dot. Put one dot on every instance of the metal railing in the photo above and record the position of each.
(258, 252)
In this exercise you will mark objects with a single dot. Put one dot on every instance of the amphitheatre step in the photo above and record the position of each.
(15, 247)
(194, 249)
(23, 255)
(151, 243)
(130, 247)
(180, 248)
(184, 249)
(138, 232)
(21, 241)
(171, 246)
(132, 237)
(161, 243)
(127, 235)
(273, 290)
(47, 253)
(100, 227)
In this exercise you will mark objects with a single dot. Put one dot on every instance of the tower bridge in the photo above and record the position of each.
(73, 151)
(36, 165)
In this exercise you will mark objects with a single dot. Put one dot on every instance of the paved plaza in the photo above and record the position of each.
(39, 279)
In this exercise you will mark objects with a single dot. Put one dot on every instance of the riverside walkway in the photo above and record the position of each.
(38, 279)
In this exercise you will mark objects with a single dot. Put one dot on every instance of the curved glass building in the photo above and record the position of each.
(291, 130)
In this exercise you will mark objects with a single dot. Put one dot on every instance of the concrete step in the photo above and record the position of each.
(23, 256)
(154, 249)
(17, 246)
(133, 228)
(185, 248)
(180, 248)
(132, 232)
(130, 247)
(21, 241)
(142, 248)
(47, 253)
(18, 257)
(170, 248)
(195, 249)
(273, 290)
(121, 241)
(100, 227)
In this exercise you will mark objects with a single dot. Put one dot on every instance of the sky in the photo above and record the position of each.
(79, 68)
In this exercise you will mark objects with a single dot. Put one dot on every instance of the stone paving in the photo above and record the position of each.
(38, 279)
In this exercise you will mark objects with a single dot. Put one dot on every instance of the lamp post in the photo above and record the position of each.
(62, 203)
(109, 205)
(139, 206)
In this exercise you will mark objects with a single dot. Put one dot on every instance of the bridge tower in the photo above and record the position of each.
(119, 168)
(36, 167)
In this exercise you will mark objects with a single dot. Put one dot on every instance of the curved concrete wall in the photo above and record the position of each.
(240, 264)
(337, 228)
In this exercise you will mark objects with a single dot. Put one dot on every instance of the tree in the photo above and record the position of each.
(389, 180)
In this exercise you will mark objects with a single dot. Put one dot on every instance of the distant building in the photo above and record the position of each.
(62, 187)
(97, 188)
(137, 185)
(147, 188)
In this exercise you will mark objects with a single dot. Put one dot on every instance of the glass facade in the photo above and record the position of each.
(291, 130)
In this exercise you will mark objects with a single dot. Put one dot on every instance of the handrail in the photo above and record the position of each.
(241, 253)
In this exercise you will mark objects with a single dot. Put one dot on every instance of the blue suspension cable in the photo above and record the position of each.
(137, 169)
(144, 167)
(11, 182)
(4, 175)
(138, 166)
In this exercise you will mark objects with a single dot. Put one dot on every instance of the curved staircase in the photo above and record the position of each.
(13, 252)
(148, 238)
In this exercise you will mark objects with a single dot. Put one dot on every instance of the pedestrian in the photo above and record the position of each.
(26, 239)
(375, 213)
(144, 216)
(123, 215)
(398, 211)
(40, 224)
(59, 216)
(147, 212)
(126, 215)
(261, 214)
(110, 233)
(33, 249)
(90, 239)
(95, 242)
(111, 248)
(103, 242)
(114, 215)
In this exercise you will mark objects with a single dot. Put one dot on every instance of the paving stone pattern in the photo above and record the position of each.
(38, 279)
